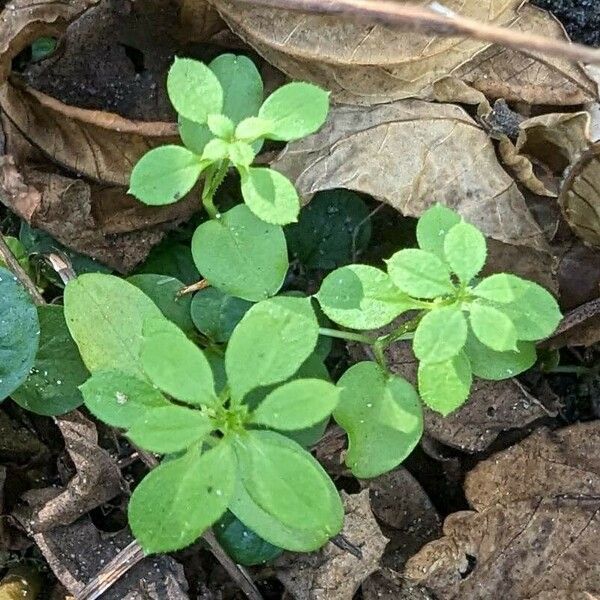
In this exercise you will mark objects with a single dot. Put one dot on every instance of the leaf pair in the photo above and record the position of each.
(222, 122)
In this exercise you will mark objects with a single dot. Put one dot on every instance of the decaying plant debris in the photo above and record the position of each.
(501, 498)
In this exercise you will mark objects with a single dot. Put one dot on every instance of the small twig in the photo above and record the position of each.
(438, 20)
(13, 264)
(343, 543)
(195, 287)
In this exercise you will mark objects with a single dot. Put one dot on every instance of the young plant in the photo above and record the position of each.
(224, 424)
(460, 325)
(223, 122)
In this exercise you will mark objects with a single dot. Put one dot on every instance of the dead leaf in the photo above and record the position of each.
(579, 327)
(332, 573)
(580, 197)
(492, 408)
(532, 78)
(405, 513)
(536, 530)
(199, 21)
(77, 552)
(411, 154)
(360, 63)
(97, 478)
(578, 275)
(386, 584)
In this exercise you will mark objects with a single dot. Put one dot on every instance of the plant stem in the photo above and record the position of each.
(347, 335)
(572, 369)
(13, 265)
(400, 332)
(214, 178)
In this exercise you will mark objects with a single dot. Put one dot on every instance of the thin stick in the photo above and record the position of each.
(194, 287)
(438, 20)
(13, 264)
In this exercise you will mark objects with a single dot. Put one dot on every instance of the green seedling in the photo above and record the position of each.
(223, 123)
(460, 325)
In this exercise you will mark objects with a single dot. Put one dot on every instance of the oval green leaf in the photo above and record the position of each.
(382, 416)
(440, 335)
(433, 226)
(241, 255)
(465, 251)
(492, 327)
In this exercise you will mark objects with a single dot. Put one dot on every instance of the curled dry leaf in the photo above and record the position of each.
(411, 154)
(333, 573)
(579, 327)
(67, 550)
(535, 529)
(365, 63)
(580, 197)
(97, 478)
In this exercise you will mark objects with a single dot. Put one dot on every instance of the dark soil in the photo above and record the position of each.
(581, 18)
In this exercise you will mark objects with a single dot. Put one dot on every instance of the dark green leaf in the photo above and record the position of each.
(173, 259)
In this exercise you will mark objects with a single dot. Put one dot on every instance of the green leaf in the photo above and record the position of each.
(533, 310)
(242, 544)
(270, 196)
(177, 366)
(295, 110)
(176, 502)
(382, 416)
(241, 155)
(194, 136)
(105, 315)
(162, 290)
(252, 128)
(241, 255)
(285, 481)
(362, 297)
(488, 364)
(173, 259)
(297, 405)
(433, 226)
(120, 399)
(165, 175)
(241, 83)
(216, 313)
(445, 386)
(492, 327)
(169, 429)
(19, 333)
(221, 126)
(270, 343)
(215, 151)
(420, 274)
(52, 387)
(20, 253)
(465, 251)
(271, 529)
(440, 335)
(332, 229)
(194, 90)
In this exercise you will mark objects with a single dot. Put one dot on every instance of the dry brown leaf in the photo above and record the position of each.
(536, 532)
(389, 585)
(199, 21)
(332, 573)
(492, 408)
(578, 275)
(405, 513)
(77, 552)
(411, 154)
(501, 72)
(97, 478)
(580, 197)
(579, 327)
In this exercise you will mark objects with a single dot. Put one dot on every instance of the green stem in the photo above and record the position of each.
(214, 178)
(400, 333)
(347, 335)
(573, 369)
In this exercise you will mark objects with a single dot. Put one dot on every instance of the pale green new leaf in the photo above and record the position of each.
(215, 151)
(297, 405)
(178, 367)
(120, 399)
(194, 90)
(241, 155)
(440, 335)
(383, 418)
(432, 227)
(221, 126)
(492, 327)
(165, 175)
(420, 274)
(489, 364)
(362, 297)
(285, 481)
(241, 255)
(19, 333)
(169, 429)
(270, 343)
(252, 128)
(176, 502)
(465, 251)
(445, 386)
(105, 315)
(295, 110)
(532, 309)
(270, 196)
